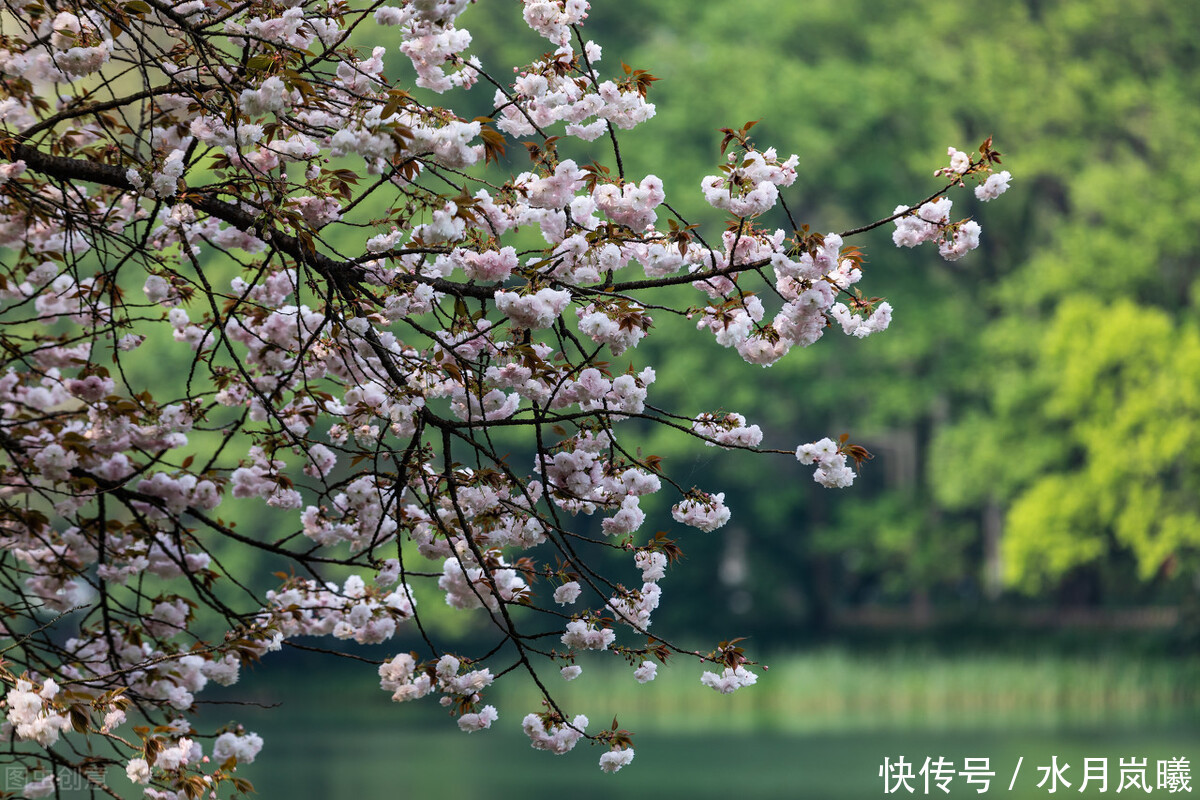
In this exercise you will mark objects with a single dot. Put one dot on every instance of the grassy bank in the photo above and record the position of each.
(832, 690)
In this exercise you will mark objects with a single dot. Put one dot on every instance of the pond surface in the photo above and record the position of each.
(335, 758)
(339, 739)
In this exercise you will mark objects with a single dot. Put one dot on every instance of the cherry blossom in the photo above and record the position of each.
(243, 267)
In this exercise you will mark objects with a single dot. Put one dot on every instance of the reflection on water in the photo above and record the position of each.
(337, 736)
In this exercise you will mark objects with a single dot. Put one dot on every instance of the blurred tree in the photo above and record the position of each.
(971, 406)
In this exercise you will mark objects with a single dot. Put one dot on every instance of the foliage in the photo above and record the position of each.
(1079, 426)
(1094, 100)
(1123, 384)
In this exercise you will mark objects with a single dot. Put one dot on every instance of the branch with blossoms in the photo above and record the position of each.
(356, 337)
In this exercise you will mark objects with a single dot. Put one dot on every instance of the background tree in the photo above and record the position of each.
(953, 399)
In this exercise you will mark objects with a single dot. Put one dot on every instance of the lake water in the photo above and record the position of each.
(338, 759)
(344, 740)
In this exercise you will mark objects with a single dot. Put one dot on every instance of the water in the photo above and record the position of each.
(333, 758)
(334, 736)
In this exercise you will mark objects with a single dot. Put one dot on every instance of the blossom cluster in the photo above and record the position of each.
(931, 222)
(729, 430)
(751, 187)
(556, 736)
(729, 680)
(403, 677)
(365, 614)
(32, 715)
(832, 470)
